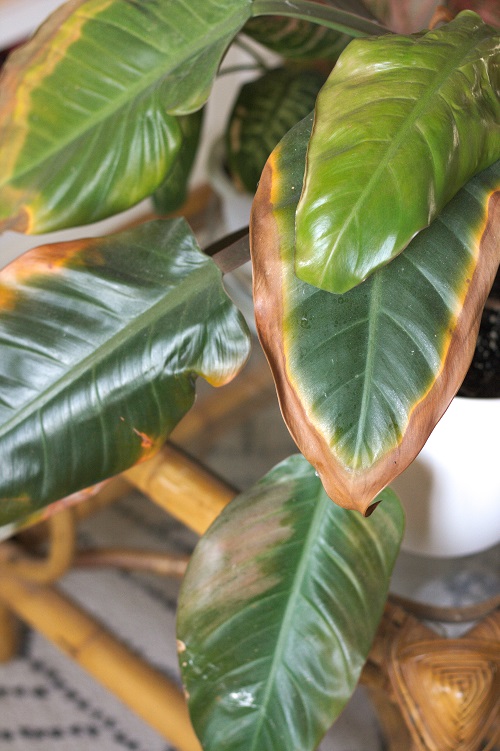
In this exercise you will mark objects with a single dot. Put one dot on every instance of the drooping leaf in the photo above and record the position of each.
(265, 109)
(86, 107)
(173, 191)
(278, 611)
(401, 124)
(363, 377)
(100, 344)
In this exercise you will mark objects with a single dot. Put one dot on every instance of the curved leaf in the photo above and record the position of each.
(173, 191)
(265, 109)
(86, 107)
(100, 344)
(278, 611)
(364, 377)
(401, 124)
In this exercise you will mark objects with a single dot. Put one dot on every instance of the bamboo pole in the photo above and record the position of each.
(182, 487)
(163, 564)
(97, 651)
(59, 558)
(217, 410)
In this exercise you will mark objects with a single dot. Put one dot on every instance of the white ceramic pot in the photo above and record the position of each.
(451, 492)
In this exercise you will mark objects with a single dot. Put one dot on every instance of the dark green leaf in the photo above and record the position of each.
(278, 611)
(345, 16)
(100, 344)
(264, 111)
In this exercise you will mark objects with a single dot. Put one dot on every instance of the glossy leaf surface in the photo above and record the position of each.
(265, 109)
(364, 377)
(86, 107)
(100, 344)
(401, 124)
(278, 611)
(173, 191)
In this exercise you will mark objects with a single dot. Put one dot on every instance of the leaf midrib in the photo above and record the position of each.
(289, 614)
(373, 321)
(137, 324)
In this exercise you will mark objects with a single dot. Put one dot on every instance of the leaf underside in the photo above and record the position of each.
(401, 125)
(87, 107)
(101, 341)
(364, 377)
(278, 611)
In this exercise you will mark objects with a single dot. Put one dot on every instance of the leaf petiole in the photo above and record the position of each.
(332, 17)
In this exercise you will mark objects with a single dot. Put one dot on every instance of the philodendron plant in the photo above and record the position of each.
(374, 239)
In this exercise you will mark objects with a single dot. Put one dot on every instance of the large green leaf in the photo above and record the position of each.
(100, 344)
(278, 611)
(401, 124)
(363, 377)
(86, 107)
(264, 110)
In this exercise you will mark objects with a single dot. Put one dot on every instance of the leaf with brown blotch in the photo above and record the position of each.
(278, 610)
